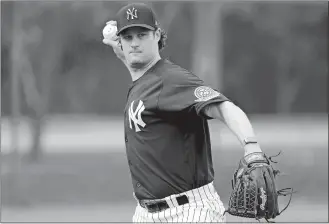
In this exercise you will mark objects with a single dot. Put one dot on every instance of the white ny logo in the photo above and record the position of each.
(132, 13)
(135, 116)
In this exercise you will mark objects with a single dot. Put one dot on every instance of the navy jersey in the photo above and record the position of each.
(167, 136)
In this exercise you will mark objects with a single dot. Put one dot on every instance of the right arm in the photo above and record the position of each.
(113, 41)
(116, 48)
(119, 53)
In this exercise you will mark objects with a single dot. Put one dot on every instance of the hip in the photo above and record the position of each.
(199, 204)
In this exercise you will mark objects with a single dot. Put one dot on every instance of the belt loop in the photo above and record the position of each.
(175, 202)
(170, 202)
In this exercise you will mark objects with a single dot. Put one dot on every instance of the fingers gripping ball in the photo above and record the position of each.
(110, 38)
(110, 30)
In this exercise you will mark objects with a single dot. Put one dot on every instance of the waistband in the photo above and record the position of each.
(194, 195)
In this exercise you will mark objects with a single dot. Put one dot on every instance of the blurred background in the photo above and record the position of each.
(63, 94)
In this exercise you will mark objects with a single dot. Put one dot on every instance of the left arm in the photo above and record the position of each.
(236, 120)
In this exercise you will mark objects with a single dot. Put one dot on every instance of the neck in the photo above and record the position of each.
(137, 73)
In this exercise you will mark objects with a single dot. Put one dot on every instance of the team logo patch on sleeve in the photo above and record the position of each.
(205, 93)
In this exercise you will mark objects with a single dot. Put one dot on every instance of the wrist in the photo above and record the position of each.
(251, 148)
(255, 157)
(250, 145)
(249, 140)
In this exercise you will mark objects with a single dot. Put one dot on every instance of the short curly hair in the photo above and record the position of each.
(163, 39)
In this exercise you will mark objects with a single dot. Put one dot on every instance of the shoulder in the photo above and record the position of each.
(174, 74)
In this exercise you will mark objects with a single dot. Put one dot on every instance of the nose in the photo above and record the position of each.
(134, 42)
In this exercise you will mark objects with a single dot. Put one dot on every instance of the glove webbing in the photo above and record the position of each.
(282, 192)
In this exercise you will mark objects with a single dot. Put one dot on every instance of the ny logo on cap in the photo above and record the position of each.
(132, 13)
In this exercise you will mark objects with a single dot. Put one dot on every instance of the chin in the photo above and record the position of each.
(136, 60)
(137, 63)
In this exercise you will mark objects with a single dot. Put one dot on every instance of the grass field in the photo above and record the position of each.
(84, 177)
(97, 188)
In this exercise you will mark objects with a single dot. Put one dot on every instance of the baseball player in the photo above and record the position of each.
(165, 125)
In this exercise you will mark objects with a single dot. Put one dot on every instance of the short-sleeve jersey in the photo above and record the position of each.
(166, 135)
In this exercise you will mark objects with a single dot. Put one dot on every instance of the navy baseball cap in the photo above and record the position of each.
(136, 14)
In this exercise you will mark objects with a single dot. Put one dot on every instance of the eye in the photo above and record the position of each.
(127, 37)
(141, 34)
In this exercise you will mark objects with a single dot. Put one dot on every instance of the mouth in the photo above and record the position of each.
(135, 52)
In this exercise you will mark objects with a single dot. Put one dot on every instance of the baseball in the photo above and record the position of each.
(109, 31)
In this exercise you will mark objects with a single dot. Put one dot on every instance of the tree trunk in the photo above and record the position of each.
(206, 57)
(16, 185)
(34, 101)
(287, 87)
(49, 67)
(15, 90)
(167, 16)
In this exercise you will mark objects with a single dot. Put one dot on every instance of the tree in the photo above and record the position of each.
(15, 164)
(36, 88)
(292, 24)
(291, 27)
(207, 58)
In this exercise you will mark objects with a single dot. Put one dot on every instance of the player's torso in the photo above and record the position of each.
(159, 144)
(142, 100)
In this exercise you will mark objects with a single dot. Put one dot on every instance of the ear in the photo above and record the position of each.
(157, 34)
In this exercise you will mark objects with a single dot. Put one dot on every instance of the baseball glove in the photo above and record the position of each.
(254, 192)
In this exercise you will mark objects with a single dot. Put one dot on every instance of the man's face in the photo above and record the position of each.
(139, 45)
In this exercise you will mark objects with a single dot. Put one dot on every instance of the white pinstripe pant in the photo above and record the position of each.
(204, 206)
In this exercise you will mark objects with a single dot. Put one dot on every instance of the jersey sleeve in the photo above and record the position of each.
(187, 92)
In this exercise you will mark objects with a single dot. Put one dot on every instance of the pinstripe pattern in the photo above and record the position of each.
(204, 206)
(193, 210)
(164, 214)
(176, 211)
(213, 202)
(208, 201)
